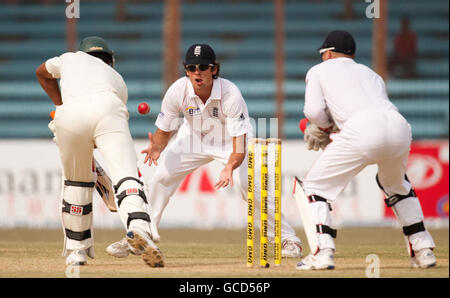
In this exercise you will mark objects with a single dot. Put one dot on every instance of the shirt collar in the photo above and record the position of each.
(216, 92)
(345, 58)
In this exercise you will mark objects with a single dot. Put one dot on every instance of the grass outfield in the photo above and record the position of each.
(214, 254)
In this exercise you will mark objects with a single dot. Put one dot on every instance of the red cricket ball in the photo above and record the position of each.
(143, 108)
(302, 124)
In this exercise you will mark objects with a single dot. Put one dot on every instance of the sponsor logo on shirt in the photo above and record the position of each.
(161, 115)
(192, 110)
(242, 117)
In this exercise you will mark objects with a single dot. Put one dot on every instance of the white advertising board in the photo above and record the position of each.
(30, 187)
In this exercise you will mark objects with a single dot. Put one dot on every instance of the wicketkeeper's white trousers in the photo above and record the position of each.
(380, 137)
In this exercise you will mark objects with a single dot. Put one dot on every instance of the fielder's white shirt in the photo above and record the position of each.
(82, 75)
(339, 88)
(223, 116)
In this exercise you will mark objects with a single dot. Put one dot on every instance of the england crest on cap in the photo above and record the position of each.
(197, 50)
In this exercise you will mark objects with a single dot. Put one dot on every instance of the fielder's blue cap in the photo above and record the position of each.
(200, 54)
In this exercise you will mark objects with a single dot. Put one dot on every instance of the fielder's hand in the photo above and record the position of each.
(151, 152)
(226, 178)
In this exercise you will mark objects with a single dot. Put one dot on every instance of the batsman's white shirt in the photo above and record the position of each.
(93, 113)
(372, 131)
(85, 75)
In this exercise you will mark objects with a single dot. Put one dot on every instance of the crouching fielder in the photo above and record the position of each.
(215, 126)
(91, 113)
(353, 97)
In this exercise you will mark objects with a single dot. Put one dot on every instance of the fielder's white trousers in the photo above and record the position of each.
(179, 162)
(381, 137)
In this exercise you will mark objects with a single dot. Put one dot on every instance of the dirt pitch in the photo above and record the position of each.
(213, 254)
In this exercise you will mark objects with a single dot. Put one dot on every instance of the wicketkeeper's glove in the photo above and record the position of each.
(317, 138)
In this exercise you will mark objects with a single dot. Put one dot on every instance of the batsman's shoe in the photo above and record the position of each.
(76, 257)
(291, 249)
(324, 259)
(140, 240)
(423, 258)
(121, 249)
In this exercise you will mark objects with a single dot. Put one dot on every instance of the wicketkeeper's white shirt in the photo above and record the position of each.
(342, 88)
(223, 116)
(76, 81)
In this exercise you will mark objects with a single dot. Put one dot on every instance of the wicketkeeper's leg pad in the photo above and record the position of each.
(77, 217)
(316, 218)
(320, 214)
(132, 204)
(409, 214)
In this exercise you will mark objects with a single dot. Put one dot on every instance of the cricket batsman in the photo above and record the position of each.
(91, 113)
(342, 95)
(215, 126)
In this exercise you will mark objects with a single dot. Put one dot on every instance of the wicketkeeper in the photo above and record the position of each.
(346, 96)
(91, 113)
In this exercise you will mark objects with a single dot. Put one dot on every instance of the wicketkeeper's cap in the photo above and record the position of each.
(200, 54)
(339, 41)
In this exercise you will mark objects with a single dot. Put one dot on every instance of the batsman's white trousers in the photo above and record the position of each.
(374, 136)
(101, 121)
(178, 163)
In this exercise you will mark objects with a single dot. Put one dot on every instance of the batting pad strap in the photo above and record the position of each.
(316, 198)
(414, 228)
(116, 187)
(324, 229)
(392, 200)
(76, 209)
(137, 215)
(79, 236)
(128, 192)
(79, 183)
